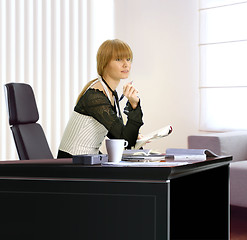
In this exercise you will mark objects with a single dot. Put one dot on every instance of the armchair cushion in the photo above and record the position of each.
(238, 186)
(227, 143)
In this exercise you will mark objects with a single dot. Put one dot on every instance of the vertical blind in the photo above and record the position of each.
(51, 45)
(223, 61)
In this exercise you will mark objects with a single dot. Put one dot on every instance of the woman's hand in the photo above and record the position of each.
(140, 136)
(130, 92)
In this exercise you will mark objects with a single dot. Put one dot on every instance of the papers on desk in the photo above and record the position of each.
(144, 155)
(143, 164)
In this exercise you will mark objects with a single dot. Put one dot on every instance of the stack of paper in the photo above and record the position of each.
(144, 155)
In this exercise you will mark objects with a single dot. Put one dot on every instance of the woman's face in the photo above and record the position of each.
(118, 69)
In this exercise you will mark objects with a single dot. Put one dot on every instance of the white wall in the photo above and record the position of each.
(163, 35)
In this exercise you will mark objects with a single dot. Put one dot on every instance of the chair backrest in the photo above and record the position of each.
(23, 113)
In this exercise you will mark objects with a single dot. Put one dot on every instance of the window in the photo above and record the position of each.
(223, 61)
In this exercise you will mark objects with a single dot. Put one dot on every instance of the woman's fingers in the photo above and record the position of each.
(129, 90)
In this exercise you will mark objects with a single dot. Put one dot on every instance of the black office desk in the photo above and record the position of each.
(54, 199)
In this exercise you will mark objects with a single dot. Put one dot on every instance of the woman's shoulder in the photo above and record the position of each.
(94, 94)
(98, 86)
(91, 98)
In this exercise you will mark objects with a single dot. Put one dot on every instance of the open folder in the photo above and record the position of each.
(189, 154)
(160, 133)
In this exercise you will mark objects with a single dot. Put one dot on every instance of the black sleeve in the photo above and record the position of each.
(94, 103)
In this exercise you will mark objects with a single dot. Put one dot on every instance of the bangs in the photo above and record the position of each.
(121, 50)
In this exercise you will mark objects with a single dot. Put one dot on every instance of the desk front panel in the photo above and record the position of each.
(42, 209)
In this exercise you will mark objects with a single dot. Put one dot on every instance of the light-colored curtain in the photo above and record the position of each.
(51, 45)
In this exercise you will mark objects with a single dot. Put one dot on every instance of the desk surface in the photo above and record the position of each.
(64, 168)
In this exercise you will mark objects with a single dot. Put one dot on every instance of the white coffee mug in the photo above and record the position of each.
(115, 149)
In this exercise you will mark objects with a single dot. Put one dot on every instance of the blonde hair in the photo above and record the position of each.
(108, 50)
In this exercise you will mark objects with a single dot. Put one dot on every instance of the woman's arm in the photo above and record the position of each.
(130, 131)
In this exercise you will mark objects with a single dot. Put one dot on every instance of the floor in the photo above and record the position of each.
(238, 227)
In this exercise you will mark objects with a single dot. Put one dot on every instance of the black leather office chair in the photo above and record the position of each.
(28, 135)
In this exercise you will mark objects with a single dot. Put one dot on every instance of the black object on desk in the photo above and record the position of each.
(90, 159)
(60, 200)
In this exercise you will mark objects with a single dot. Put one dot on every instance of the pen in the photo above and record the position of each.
(121, 98)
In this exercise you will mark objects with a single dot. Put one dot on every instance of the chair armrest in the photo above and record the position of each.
(227, 143)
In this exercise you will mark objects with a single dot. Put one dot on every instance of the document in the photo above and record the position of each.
(189, 154)
(160, 133)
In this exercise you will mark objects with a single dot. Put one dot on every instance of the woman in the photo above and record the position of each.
(97, 114)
